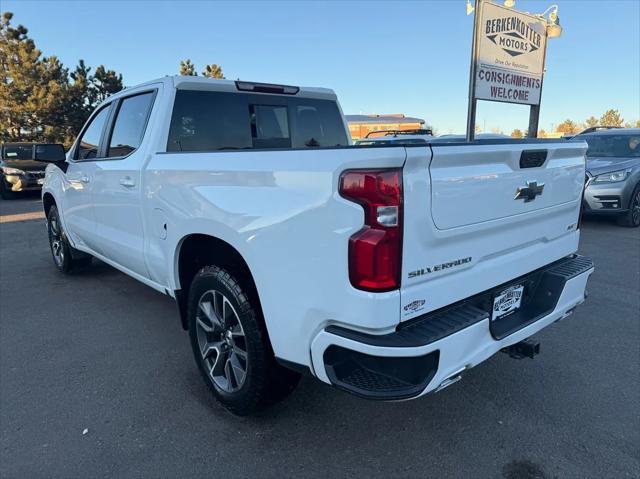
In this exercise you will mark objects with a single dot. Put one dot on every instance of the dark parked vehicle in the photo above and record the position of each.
(613, 174)
(19, 172)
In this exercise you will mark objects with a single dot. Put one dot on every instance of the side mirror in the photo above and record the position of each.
(49, 152)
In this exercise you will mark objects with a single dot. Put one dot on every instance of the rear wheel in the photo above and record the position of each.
(631, 218)
(231, 346)
(61, 250)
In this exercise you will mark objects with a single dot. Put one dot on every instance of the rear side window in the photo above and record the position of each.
(214, 121)
(317, 123)
(130, 123)
(209, 121)
(90, 139)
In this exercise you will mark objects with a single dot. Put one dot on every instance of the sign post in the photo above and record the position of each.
(507, 60)
(471, 111)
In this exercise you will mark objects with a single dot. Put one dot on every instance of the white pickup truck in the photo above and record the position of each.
(385, 271)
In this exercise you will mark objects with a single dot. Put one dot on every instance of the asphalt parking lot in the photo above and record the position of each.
(99, 353)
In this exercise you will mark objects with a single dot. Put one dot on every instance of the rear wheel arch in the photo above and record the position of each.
(47, 202)
(196, 251)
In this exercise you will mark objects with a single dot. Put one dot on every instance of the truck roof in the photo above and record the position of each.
(182, 82)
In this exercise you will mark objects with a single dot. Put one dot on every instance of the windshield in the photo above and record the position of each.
(17, 152)
(608, 146)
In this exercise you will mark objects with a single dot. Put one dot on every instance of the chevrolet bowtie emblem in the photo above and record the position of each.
(529, 192)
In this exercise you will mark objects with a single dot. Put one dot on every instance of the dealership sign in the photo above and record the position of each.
(510, 61)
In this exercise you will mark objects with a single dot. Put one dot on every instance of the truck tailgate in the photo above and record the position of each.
(479, 215)
(475, 184)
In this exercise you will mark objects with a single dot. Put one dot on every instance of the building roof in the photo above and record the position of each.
(382, 119)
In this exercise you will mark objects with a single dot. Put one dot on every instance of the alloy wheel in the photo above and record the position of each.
(221, 340)
(635, 208)
(56, 241)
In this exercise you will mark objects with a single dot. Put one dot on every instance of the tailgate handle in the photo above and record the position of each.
(532, 158)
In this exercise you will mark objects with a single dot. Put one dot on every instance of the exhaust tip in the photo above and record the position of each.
(452, 379)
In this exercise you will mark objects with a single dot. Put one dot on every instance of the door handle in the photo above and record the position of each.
(84, 179)
(127, 182)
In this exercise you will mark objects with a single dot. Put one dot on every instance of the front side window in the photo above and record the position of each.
(130, 123)
(90, 139)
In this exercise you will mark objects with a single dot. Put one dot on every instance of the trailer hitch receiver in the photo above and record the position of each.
(524, 349)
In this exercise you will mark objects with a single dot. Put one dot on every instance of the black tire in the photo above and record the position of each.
(631, 218)
(225, 338)
(62, 253)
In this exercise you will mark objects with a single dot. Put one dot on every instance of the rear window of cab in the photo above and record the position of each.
(218, 121)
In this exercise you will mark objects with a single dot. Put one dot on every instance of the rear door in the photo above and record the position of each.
(479, 215)
(117, 188)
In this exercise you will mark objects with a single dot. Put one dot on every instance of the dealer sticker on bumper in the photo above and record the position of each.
(507, 302)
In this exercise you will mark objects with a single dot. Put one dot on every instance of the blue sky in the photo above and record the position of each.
(380, 57)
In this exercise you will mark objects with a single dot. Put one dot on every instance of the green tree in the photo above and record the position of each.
(637, 123)
(517, 133)
(38, 102)
(85, 92)
(106, 83)
(187, 68)
(213, 71)
(80, 99)
(23, 90)
(50, 112)
(591, 122)
(611, 118)
(568, 127)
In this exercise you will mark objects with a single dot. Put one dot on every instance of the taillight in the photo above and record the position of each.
(375, 252)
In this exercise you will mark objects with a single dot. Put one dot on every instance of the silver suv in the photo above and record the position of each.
(613, 174)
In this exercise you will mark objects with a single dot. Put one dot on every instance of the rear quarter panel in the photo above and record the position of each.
(282, 212)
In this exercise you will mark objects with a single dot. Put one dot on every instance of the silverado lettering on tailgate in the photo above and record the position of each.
(439, 267)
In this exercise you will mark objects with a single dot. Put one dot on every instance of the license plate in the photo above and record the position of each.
(40, 181)
(507, 302)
